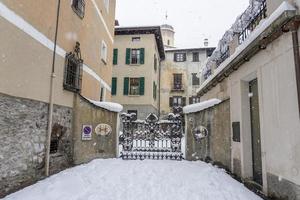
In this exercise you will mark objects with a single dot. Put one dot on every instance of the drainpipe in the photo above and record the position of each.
(159, 88)
(50, 116)
(297, 60)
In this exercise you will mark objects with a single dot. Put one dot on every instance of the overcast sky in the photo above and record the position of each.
(193, 20)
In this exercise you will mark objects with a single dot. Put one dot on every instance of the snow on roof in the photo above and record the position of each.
(263, 25)
(200, 106)
(114, 107)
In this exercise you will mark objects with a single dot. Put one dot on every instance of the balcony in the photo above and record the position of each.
(253, 22)
(177, 88)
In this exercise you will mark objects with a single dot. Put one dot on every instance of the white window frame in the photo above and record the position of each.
(103, 51)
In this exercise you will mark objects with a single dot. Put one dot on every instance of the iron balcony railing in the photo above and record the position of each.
(253, 22)
(223, 57)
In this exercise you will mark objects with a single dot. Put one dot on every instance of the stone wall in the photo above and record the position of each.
(23, 129)
(217, 146)
(99, 146)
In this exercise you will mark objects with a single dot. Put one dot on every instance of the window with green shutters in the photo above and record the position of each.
(114, 86)
(154, 90)
(135, 56)
(134, 86)
(115, 58)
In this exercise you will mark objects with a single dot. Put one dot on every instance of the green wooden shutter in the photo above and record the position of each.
(128, 52)
(153, 90)
(126, 86)
(142, 85)
(115, 58)
(142, 56)
(114, 86)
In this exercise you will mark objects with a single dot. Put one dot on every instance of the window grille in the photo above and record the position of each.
(79, 7)
(73, 70)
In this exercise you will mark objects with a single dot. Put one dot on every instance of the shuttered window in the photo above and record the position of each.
(134, 86)
(177, 101)
(135, 56)
(115, 58)
(114, 86)
(142, 85)
(126, 86)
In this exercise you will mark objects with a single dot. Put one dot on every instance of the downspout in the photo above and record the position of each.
(297, 60)
(50, 112)
(159, 89)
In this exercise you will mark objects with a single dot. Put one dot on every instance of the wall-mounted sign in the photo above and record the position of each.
(103, 129)
(87, 131)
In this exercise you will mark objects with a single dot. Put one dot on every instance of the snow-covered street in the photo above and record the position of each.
(115, 179)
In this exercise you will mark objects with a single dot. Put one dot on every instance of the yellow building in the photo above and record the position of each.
(138, 52)
(37, 94)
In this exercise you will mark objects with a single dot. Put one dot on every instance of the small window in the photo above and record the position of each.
(196, 57)
(135, 56)
(106, 4)
(73, 70)
(179, 57)
(195, 79)
(177, 83)
(168, 42)
(194, 100)
(134, 86)
(79, 7)
(177, 101)
(104, 52)
(136, 39)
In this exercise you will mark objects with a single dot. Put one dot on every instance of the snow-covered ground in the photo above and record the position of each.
(115, 179)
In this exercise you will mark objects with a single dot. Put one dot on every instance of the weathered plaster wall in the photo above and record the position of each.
(23, 128)
(218, 144)
(98, 146)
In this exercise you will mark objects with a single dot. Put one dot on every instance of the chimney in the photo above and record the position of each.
(206, 42)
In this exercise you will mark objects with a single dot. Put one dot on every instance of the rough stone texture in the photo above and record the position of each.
(23, 128)
(143, 110)
(99, 146)
(217, 146)
(281, 188)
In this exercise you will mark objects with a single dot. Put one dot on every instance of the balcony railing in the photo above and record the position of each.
(253, 22)
(223, 57)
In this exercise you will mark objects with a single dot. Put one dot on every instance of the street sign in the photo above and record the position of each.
(87, 132)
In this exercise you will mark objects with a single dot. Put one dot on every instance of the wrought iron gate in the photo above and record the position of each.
(151, 138)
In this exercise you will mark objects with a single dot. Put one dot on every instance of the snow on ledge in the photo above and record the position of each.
(263, 25)
(114, 107)
(200, 106)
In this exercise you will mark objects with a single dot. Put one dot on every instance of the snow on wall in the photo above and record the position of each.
(239, 25)
(200, 106)
(114, 107)
(263, 25)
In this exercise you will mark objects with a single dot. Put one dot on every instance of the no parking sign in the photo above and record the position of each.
(87, 132)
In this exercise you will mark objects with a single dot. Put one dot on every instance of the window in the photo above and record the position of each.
(209, 52)
(195, 79)
(177, 82)
(179, 57)
(79, 7)
(194, 100)
(177, 101)
(134, 86)
(133, 111)
(168, 42)
(104, 52)
(196, 57)
(73, 70)
(135, 56)
(136, 39)
(154, 90)
(106, 4)
(115, 57)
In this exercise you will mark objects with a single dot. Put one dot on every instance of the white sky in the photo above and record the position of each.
(193, 20)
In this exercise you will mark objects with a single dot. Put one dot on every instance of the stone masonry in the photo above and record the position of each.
(23, 128)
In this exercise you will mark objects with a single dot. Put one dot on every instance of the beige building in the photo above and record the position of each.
(259, 85)
(30, 83)
(138, 52)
